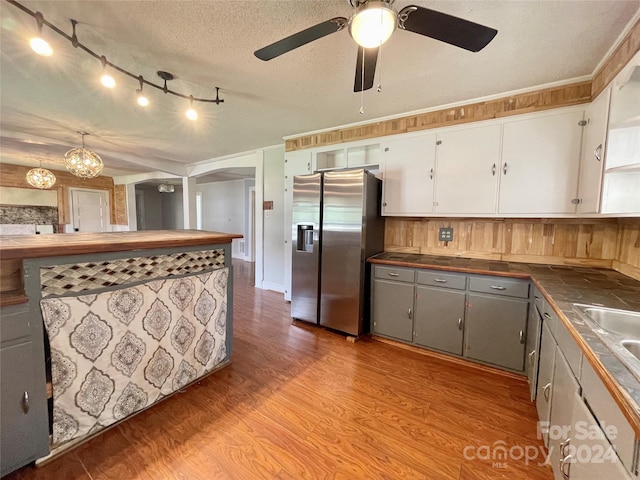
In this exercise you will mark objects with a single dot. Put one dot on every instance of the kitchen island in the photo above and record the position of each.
(96, 327)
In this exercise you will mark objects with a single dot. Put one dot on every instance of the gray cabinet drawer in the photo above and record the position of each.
(510, 287)
(394, 273)
(440, 279)
(569, 348)
(550, 318)
(14, 323)
(538, 299)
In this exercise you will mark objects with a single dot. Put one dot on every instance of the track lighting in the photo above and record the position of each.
(38, 44)
(191, 113)
(143, 101)
(106, 79)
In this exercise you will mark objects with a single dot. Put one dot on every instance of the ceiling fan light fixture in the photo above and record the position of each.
(373, 24)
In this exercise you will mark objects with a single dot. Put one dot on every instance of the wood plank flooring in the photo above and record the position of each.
(299, 402)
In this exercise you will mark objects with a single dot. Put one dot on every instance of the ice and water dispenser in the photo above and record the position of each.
(305, 238)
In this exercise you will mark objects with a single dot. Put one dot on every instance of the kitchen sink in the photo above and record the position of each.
(622, 322)
(619, 330)
(633, 346)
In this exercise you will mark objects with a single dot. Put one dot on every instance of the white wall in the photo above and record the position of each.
(224, 209)
(274, 219)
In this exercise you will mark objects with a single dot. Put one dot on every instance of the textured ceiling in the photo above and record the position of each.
(45, 101)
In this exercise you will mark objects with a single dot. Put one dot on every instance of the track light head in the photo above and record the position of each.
(37, 43)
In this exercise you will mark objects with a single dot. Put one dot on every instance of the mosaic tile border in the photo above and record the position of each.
(83, 277)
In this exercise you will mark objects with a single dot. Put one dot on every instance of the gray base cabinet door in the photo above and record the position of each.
(20, 431)
(534, 325)
(439, 319)
(545, 377)
(393, 309)
(496, 329)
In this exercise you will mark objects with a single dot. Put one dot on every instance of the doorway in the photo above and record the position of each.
(90, 210)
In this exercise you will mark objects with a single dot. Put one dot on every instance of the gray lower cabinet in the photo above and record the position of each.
(565, 386)
(439, 318)
(393, 309)
(495, 330)
(545, 377)
(534, 327)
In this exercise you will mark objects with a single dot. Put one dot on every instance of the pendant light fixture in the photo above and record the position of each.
(39, 44)
(41, 178)
(82, 162)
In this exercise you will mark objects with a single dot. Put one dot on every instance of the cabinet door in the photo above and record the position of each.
(439, 319)
(407, 185)
(495, 330)
(297, 163)
(467, 170)
(393, 309)
(565, 386)
(592, 158)
(532, 349)
(540, 158)
(545, 376)
(591, 456)
(18, 419)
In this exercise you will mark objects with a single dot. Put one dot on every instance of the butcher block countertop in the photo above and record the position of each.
(15, 248)
(562, 286)
(34, 246)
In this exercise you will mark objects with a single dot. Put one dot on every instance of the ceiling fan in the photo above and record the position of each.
(373, 22)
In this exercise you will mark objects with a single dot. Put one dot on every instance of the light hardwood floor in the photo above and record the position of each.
(299, 402)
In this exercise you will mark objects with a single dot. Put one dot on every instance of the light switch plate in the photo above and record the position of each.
(445, 234)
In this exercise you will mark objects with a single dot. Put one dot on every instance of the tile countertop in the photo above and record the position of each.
(562, 286)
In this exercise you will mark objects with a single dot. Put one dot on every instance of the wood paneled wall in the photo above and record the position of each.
(556, 97)
(609, 243)
(15, 176)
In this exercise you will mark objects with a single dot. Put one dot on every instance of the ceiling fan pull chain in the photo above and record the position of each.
(362, 89)
(379, 88)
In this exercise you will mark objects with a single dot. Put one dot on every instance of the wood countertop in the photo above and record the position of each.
(562, 286)
(50, 245)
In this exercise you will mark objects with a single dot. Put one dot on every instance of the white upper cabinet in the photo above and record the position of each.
(540, 160)
(593, 153)
(408, 174)
(468, 170)
(621, 185)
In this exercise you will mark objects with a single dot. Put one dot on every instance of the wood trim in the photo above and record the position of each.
(120, 205)
(628, 270)
(616, 62)
(545, 99)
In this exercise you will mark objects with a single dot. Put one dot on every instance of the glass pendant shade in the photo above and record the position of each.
(83, 163)
(41, 178)
(373, 25)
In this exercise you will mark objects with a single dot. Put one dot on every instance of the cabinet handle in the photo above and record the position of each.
(498, 287)
(521, 336)
(460, 324)
(493, 170)
(531, 354)
(440, 280)
(536, 297)
(545, 391)
(504, 168)
(546, 315)
(409, 313)
(393, 274)
(598, 153)
(563, 447)
(566, 461)
(25, 402)
(431, 174)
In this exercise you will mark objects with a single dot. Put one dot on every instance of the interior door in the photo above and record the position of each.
(90, 210)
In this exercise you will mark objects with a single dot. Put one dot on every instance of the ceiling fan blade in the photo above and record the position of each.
(446, 28)
(301, 38)
(370, 60)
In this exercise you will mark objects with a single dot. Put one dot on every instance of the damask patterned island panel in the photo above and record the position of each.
(117, 331)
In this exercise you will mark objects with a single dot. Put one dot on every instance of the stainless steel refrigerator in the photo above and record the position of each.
(336, 227)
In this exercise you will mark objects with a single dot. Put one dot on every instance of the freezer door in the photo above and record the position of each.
(342, 251)
(305, 236)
